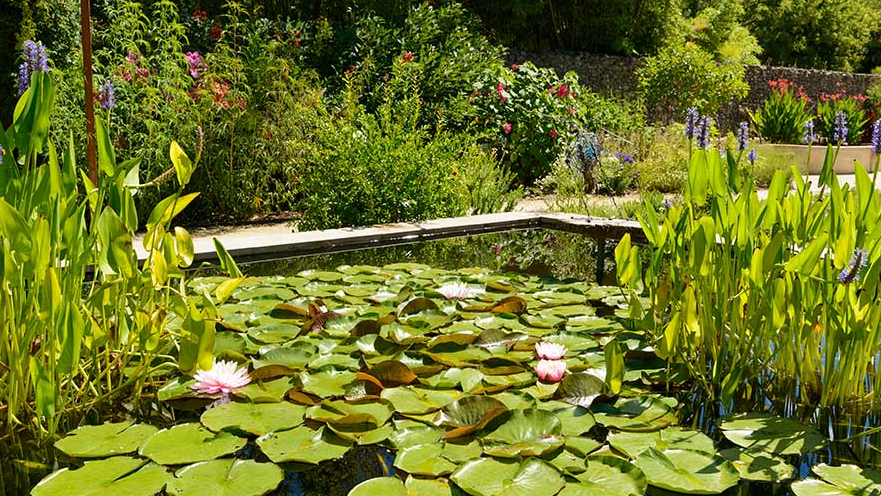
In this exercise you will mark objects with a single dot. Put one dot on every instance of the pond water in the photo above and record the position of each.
(527, 286)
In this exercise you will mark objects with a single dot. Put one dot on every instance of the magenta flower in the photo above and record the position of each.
(507, 128)
(195, 63)
(223, 377)
(550, 370)
(550, 351)
(553, 133)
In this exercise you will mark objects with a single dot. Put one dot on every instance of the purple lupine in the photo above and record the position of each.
(106, 96)
(702, 132)
(876, 137)
(810, 136)
(691, 122)
(743, 136)
(35, 59)
(840, 133)
(752, 156)
(852, 271)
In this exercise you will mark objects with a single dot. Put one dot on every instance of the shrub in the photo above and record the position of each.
(683, 75)
(661, 158)
(614, 174)
(833, 103)
(782, 116)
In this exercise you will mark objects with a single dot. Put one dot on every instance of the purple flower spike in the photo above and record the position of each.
(743, 136)
(691, 122)
(703, 131)
(809, 136)
(752, 156)
(876, 137)
(35, 59)
(858, 261)
(840, 134)
(106, 96)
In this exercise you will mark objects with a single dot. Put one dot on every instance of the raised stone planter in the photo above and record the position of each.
(797, 155)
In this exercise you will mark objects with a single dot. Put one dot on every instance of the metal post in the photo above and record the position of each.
(91, 153)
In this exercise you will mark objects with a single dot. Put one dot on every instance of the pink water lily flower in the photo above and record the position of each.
(224, 377)
(550, 351)
(457, 291)
(550, 370)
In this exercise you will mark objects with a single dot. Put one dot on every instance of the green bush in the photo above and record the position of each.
(614, 174)
(661, 158)
(386, 167)
(782, 116)
(852, 106)
(681, 76)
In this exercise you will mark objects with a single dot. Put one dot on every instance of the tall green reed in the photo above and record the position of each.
(62, 352)
(779, 294)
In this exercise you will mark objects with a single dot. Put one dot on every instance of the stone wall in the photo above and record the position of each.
(608, 74)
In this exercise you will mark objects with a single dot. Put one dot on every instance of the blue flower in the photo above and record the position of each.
(840, 134)
(106, 96)
(851, 273)
(743, 136)
(667, 204)
(752, 156)
(876, 137)
(691, 121)
(35, 59)
(809, 136)
(703, 131)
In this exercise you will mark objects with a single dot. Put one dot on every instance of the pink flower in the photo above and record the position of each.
(515, 67)
(223, 377)
(407, 56)
(550, 370)
(562, 91)
(507, 128)
(457, 291)
(553, 133)
(195, 63)
(550, 351)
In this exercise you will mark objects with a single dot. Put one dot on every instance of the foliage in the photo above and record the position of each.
(833, 34)
(793, 285)
(683, 76)
(661, 155)
(782, 117)
(386, 167)
(852, 106)
(614, 174)
(716, 29)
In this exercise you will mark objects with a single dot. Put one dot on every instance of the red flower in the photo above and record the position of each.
(553, 133)
(407, 56)
(216, 33)
(562, 91)
(515, 67)
(507, 128)
(500, 88)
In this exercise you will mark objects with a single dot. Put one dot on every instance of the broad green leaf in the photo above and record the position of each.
(687, 471)
(607, 476)
(758, 465)
(120, 475)
(758, 431)
(304, 445)
(846, 480)
(104, 440)
(227, 477)
(257, 419)
(424, 459)
(380, 486)
(189, 443)
(183, 166)
(525, 433)
(491, 477)
(633, 444)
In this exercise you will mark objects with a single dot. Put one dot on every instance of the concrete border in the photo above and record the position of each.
(244, 248)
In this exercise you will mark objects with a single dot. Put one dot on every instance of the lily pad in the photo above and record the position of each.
(580, 389)
(469, 414)
(641, 414)
(427, 487)
(117, 475)
(227, 477)
(267, 391)
(304, 445)
(846, 480)
(415, 400)
(526, 433)
(607, 476)
(424, 459)
(492, 477)
(104, 440)
(379, 486)
(189, 443)
(687, 471)
(257, 419)
(327, 383)
(633, 444)
(758, 431)
(758, 465)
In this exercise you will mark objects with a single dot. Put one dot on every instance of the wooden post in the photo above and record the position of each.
(91, 152)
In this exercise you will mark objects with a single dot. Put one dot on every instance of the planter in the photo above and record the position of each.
(845, 163)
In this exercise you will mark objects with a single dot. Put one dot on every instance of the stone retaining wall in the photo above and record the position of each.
(609, 74)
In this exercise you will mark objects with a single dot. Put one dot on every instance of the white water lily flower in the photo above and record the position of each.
(550, 370)
(224, 377)
(458, 291)
(550, 351)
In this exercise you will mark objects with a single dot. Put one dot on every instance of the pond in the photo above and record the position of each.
(440, 370)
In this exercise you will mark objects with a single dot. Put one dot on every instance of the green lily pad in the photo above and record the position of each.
(327, 383)
(607, 476)
(426, 487)
(332, 410)
(304, 445)
(641, 414)
(687, 471)
(469, 414)
(189, 443)
(379, 486)
(404, 438)
(758, 431)
(267, 391)
(257, 419)
(633, 444)
(492, 477)
(758, 465)
(580, 389)
(460, 453)
(424, 459)
(98, 441)
(118, 475)
(227, 477)
(576, 419)
(526, 433)
(846, 480)
(415, 400)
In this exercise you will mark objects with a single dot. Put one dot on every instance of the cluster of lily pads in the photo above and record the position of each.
(439, 367)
